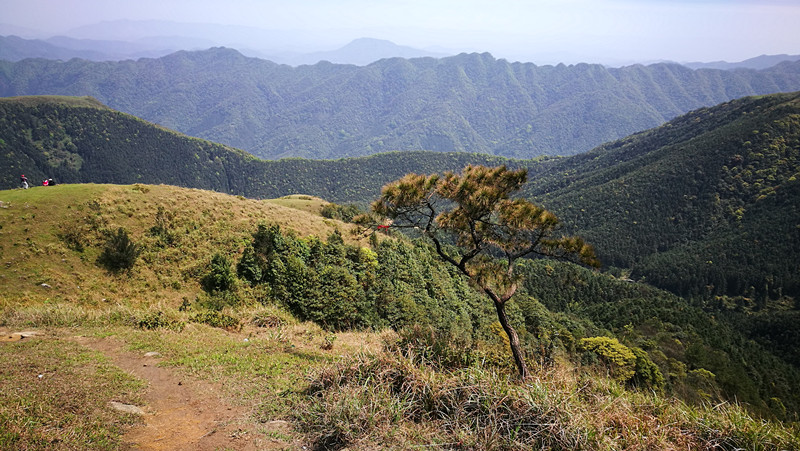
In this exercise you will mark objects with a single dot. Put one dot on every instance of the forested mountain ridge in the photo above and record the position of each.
(79, 140)
(705, 205)
(465, 103)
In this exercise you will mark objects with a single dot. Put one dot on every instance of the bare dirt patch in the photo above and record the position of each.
(17, 336)
(180, 412)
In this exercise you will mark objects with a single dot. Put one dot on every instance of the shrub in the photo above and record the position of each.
(217, 300)
(620, 359)
(158, 320)
(248, 267)
(216, 319)
(119, 252)
(220, 276)
(646, 373)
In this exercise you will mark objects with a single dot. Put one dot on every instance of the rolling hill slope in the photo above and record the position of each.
(55, 234)
(465, 103)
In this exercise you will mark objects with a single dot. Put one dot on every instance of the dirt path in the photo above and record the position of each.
(183, 413)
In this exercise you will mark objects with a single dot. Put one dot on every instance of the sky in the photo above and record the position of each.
(595, 31)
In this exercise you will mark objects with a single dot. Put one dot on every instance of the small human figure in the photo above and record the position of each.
(23, 181)
(50, 182)
(44, 182)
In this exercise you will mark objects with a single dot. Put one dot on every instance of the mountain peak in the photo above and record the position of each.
(370, 42)
(365, 50)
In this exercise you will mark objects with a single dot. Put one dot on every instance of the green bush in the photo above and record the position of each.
(120, 252)
(220, 277)
(217, 300)
(646, 373)
(248, 267)
(632, 365)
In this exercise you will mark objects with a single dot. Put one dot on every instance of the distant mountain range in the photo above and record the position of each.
(14, 48)
(359, 52)
(759, 62)
(133, 39)
(465, 103)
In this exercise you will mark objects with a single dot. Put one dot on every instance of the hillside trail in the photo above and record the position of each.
(184, 413)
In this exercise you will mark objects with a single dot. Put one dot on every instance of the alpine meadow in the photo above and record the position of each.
(455, 253)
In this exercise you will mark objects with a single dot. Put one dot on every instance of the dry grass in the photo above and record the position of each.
(302, 202)
(387, 401)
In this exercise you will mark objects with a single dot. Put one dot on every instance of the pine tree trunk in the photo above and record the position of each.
(513, 340)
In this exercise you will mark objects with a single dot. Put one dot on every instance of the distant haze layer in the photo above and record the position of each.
(544, 32)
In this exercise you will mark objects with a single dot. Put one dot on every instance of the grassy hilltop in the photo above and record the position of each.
(47, 226)
(289, 360)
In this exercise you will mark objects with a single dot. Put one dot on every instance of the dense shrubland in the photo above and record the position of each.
(704, 206)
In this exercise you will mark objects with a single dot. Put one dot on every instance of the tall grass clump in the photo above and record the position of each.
(730, 426)
(389, 401)
(396, 400)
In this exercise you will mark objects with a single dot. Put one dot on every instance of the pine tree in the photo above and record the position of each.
(491, 231)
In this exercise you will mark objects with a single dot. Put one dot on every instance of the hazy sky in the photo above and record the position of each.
(570, 30)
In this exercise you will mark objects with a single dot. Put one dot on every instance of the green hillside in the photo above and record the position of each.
(706, 205)
(220, 284)
(54, 235)
(466, 103)
(717, 185)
